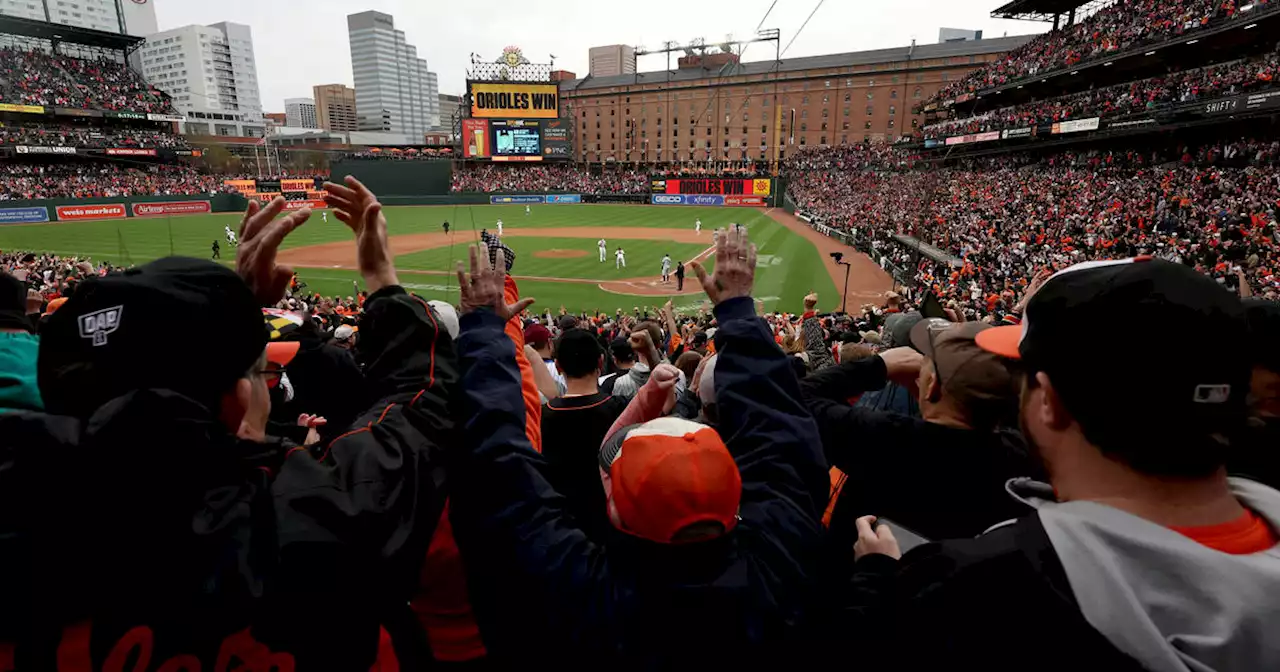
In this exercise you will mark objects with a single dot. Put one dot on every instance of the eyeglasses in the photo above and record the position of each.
(271, 374)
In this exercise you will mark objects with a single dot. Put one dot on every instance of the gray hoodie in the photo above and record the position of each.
(1168, 601)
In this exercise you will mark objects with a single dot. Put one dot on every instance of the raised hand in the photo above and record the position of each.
(485, 286)
(260, 237)
(357, 207)
(735, 272)
(811, 301)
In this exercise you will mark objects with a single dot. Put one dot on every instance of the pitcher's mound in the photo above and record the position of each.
(559, 254)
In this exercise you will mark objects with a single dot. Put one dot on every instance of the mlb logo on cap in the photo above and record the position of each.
(98, 324)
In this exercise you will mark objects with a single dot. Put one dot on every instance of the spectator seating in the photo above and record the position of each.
(38, 78)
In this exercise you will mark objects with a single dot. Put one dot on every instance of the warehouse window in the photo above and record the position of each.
(870, 110)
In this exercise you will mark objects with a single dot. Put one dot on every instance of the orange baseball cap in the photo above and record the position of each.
(668, 474)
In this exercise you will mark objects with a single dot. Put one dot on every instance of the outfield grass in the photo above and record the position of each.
(644, 257)
(790, 266)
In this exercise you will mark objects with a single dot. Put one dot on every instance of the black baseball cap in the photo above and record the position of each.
(621, 350)
(13, 303)
(186, 325)
(1111, 335)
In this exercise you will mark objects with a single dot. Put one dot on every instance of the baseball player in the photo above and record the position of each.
(697, 226)
(666, 268)
(620, 259)
(216, 252)
(231, 236)
(604, 247)
(527, 210)
(324, 216)
(499, 228)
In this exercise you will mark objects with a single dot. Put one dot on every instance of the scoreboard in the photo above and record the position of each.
(516, 140)
(715, 186)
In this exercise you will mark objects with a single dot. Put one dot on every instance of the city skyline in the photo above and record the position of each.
(311, 48)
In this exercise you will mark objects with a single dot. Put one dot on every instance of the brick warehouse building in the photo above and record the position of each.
(730, 111)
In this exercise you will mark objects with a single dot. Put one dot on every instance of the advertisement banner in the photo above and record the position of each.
(512, 200)
(30, 109)
(930, 143)
(744, 200)
(514, 101)
(165, 117)
(564, 198)
(73, 212)
(668, 199)
(242, 186)
(1076, 126)
(23, 215)
(171, 208)
(973, 137)
(704, 199)
(729, 187)
(555, 139)
(130, 151)
(295, 184)
(127, 115)
(475, 138)
(1016, 133)
(38, 149)
(1261, 101)
(308, 203)
(517, 158)
(187, 152)
(1132, 124)
(75, 112)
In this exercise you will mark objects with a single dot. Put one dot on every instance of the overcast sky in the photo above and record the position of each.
(303, 43)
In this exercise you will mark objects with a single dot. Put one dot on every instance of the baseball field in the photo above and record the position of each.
(556, 246)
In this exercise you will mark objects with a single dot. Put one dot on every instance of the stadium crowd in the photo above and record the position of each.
(225, 471)
(564, 177)
(27, 181)
(1212, 208)
(38, 78)
(1120, 26)
(1245, 75)
(65, 135)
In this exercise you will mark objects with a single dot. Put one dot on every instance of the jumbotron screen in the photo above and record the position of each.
(516, 138)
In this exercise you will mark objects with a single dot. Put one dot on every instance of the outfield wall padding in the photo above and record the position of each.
(217, 202)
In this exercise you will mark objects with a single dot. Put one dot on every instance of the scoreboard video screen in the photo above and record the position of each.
(515, 140)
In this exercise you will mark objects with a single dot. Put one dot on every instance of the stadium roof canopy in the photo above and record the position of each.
(856, 58)
(56, 32)
(1046, 10)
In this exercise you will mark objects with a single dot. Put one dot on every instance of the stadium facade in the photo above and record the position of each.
(763, 110)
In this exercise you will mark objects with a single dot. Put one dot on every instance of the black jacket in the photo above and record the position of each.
(150, 525)
(545, 593)
(940, 481)
(997, 602)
